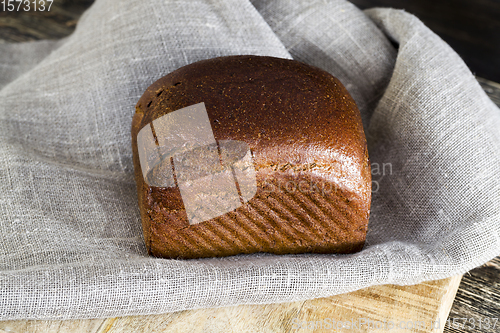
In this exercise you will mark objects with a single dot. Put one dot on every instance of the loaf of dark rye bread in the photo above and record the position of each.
(308, 149)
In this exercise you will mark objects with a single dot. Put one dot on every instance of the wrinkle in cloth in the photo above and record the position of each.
(71, 242)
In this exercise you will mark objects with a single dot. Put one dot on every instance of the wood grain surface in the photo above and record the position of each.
(59, 22)
(478, 295)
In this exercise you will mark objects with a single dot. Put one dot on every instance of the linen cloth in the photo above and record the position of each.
(71, 243)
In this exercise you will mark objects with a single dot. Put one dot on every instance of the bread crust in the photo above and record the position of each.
(309, 152)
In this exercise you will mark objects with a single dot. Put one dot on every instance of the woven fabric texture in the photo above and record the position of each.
(71, 243)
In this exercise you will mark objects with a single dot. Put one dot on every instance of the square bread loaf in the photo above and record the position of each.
(246, 154)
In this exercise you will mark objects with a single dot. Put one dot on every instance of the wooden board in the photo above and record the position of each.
(368, 309)
(477, 300)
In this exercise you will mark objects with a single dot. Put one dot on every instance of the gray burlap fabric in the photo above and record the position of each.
(71, 242)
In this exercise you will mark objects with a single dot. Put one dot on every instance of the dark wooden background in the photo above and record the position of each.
(471, 27)
(59, 22)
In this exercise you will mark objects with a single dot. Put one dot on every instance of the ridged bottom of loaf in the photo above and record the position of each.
(288, 214)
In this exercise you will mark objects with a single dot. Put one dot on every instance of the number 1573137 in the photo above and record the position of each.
(26, 5)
